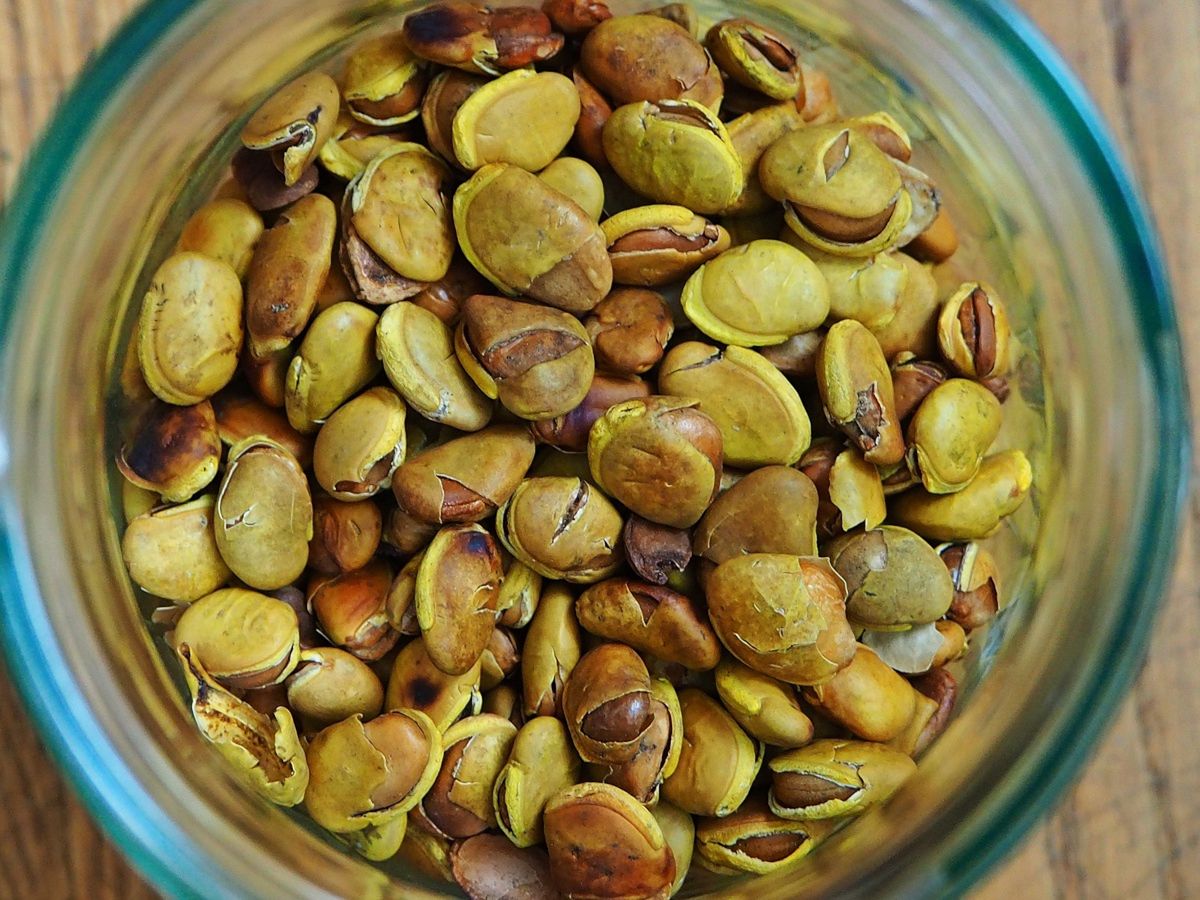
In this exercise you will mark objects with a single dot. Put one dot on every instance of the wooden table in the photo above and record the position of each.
(1131, 826)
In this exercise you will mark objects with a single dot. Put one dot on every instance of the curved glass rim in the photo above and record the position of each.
(99, 776)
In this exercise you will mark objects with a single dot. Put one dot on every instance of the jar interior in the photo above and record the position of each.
(1025, 216)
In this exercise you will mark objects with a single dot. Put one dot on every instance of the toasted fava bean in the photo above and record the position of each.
(520, 592)
(938, 242)
(240, 415)
(866, 697)
(856, 391)
(527, 238)
(766, 708)
(660, 456)
(465, 479)
(401, 597)
(335, 361)
(914, 325)
(759, 293)
(289, 266)
(949, 434)
(406, 534)
(504, 700)
(973, 332)
(630, 329)
(756, 57)
(264, 751)
(682, 14)
(562, 528)
(604, 844)
(378, 843)
(459, 803)
(636, 58)
(366, 774)
(679, 831)
(500, 658)
(578, 180)
(456, 594)
(345, 535)
(244, 639)
(416, 683)
(760, 415)
(606, 703)
(650, 618)
(593, 114)
(351, 609)
(882, 130)
(447, 93)
(478, 38)
(523, 117)
(755, 840)
(816, 102)
(869, 289)
(136, 500)
(892, 578)
(658, 750)
(941, 687)
(263, 514)
(842, 194)
(782, 615)
(771, 510)
(926, 202)
(190, 328)
(576, 17)
(975, 511)
(418, 356)
(659, 244)
(718, 763)
(175, 450)
(172, 553)
(330, 685)
(226, 230)
(913, 380)
(570, 431)
(675, 151)
(361, 445)
(488, 865)
(797, 356)
(294, 123)
(537, 360)
(542, 763)
(262, 184)
(976, 579)
(656, 552)
(384, 81)
(267, 376)
(551, 651)
(751, 135)
(444, 298)
(404, 185)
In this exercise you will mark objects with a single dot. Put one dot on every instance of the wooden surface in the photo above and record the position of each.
(1131, 826)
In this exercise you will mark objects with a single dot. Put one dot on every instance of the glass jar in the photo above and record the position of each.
(1047, 213)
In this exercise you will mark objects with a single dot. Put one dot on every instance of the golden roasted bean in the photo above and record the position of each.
(171, 551)
(190, 328)
(289, 266)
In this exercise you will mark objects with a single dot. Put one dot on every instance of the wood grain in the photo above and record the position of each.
(1130, 828)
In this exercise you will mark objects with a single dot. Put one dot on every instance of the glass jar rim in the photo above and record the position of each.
(98, 773)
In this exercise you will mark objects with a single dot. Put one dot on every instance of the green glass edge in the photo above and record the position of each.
(22, 223)
(98, 776)
(1142, 259)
